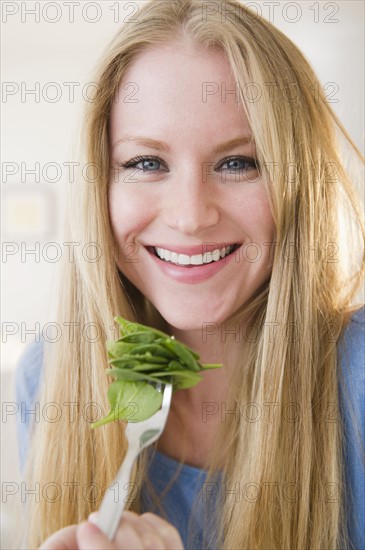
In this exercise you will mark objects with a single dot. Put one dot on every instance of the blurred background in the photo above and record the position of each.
(48, 51)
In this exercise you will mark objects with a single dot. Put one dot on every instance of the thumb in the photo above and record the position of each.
(89, 537)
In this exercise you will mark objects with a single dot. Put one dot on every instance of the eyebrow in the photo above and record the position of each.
(162, 146)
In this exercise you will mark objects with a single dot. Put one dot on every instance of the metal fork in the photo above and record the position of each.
(139, 435)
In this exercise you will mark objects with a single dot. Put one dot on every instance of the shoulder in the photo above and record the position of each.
(351, 353)
(351, 358)
(28, 372)
(351, 384)
(27, 385)
(351, 347)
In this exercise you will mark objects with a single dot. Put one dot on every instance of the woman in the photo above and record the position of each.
(205, 136)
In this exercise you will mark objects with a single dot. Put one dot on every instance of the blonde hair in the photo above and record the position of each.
(298, 153)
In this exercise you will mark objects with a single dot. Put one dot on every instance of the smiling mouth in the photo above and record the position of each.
(195, 260)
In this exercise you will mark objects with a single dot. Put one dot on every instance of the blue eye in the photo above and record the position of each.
(238, 164)
(149, 164)
(145, 164)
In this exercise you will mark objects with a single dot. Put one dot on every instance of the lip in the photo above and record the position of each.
(192, 250)
(191, 274)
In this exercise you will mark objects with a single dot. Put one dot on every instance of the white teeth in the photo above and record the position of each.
(184, 259)
(214, 256)
(197, 259)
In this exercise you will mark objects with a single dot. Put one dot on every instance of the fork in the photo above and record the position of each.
(139, 436)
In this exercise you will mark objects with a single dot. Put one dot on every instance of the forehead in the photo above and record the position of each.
(178, 65)
(178, 84)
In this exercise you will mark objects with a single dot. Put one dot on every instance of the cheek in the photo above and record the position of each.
(129, 210)
(254, 214)
(265, 219)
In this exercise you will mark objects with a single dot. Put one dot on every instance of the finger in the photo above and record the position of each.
(169, 534)
(89, 537)
(139, 534)
(154, 532)
(135, 532)
(65, 539)
(129, 538)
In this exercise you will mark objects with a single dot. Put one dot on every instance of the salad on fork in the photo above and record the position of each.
(148, 365)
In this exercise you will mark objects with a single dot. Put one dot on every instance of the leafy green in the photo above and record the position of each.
(124, 399)
(140, 359)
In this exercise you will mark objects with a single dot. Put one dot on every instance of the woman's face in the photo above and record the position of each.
(183, 184)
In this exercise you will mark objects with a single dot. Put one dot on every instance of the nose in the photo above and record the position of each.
(192, 205)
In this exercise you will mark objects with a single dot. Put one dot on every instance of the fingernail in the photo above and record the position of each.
(88, 528)
(92, 517)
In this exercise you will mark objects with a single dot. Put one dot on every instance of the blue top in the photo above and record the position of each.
(181, 483)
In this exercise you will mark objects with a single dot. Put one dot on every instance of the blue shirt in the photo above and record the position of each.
(179, 485)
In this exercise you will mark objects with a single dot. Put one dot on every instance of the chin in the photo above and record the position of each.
(190, 318)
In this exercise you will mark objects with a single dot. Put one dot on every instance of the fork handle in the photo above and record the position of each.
(114, 502)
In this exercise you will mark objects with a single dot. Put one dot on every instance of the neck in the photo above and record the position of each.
(214, 382)
(214, 343)
(195, 413)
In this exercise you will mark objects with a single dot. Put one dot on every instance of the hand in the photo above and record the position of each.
(145, 532)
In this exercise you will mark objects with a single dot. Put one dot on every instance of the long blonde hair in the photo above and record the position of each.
(309, 297)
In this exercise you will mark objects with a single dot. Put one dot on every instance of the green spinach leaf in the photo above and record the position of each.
(141, 358)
